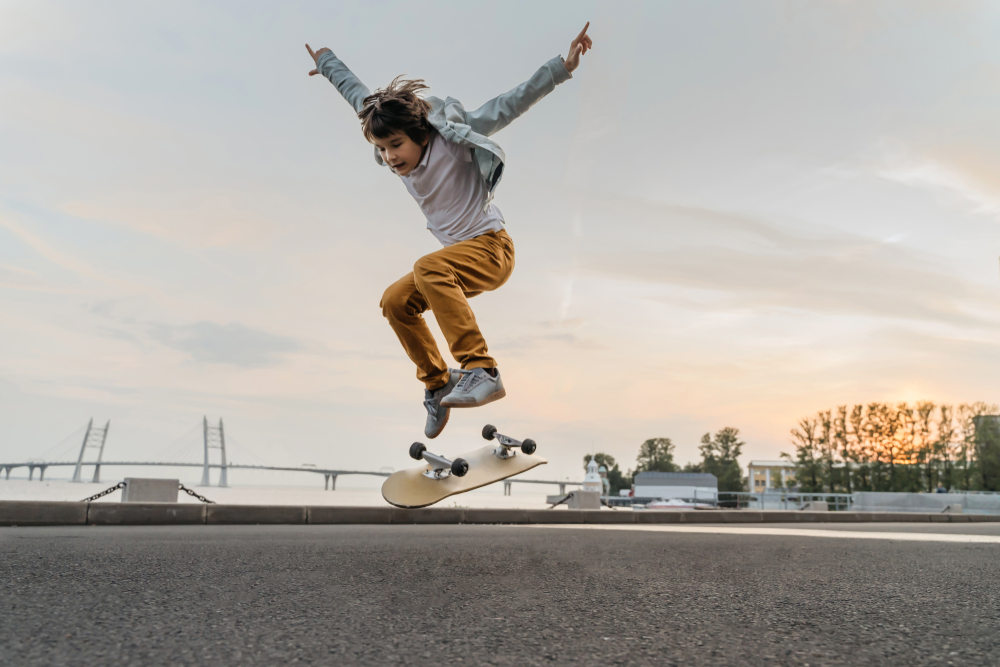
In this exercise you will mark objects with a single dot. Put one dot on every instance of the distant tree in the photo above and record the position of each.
(988, 451)
(719, 456)
(656, 455)
(616, 479)
(808, 464)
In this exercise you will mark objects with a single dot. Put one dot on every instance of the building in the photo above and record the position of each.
(770, 475)
(684, 485)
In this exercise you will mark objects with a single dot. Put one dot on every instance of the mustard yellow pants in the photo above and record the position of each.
(443, 282)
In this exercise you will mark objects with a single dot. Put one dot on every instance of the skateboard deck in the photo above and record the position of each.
(411, 488)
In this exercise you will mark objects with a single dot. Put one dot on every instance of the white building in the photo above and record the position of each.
(666, 485)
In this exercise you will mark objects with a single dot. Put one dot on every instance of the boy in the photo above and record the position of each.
(443, 156)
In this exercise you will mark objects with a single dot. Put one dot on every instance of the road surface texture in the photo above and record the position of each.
(495, 595)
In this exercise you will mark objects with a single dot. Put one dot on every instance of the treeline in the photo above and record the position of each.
(718, 456)
(898, 447)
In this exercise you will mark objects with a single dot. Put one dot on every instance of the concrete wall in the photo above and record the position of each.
(871, 501)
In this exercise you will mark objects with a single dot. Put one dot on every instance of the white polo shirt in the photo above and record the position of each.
(451, 194)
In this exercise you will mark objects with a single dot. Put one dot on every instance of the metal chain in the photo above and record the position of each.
(192, 493)
(119, 485)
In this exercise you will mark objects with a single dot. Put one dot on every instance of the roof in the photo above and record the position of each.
(770, 464)
(703, 479)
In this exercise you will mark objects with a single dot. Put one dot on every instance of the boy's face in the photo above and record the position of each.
(400, 152)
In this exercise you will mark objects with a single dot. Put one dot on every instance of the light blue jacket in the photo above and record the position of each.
(450, 118)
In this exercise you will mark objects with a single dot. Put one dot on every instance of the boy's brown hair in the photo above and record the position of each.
(396, 108)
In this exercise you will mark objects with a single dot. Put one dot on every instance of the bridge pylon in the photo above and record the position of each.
(94, 438)
(215, 438)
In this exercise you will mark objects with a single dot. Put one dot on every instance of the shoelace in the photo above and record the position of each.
(465, 380)
(432, 405)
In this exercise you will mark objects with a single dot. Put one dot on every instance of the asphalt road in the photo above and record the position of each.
(375, 595)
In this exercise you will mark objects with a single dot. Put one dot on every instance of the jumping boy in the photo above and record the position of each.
(443, 156)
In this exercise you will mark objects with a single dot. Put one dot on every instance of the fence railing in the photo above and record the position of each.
(771, 500)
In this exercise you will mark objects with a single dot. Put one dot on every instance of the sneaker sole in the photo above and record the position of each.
(447, 416)
(495, 396)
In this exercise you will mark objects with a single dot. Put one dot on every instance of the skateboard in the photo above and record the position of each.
(440, 477)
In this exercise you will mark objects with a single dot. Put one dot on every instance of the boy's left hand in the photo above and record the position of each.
(316, 54)
(577, 48)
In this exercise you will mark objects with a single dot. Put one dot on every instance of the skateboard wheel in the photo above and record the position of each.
(528, 446)
(489, 431)
(459, 467)
(417, 450)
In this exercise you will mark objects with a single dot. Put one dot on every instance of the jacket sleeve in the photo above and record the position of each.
(499, 112)
(347, 84)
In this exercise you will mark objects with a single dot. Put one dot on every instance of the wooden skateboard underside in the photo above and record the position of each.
(411, 489)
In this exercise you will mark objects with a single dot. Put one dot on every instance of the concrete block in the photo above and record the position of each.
(584, 500)
(139, 490)
(815, 506)
(323, 514)
(954, 508)
(956, 518)
(779, 516)
(443, 515)
(252, 514)
(42, 513)
(656, 516)
(144, 514)
(607, 516)
(554, 516)
(983, 518)
(496, 516)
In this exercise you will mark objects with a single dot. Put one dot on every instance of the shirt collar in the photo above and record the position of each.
(427, 152)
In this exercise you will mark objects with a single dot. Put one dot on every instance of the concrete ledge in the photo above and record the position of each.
(35, 513)
(608, 516)
(555, 516)
(900, 517)
(43, 513)
(495, 516)
(444, 515)
(322, 514)
(144, 514)
(263, 514)
(657, 516)
(722, 516)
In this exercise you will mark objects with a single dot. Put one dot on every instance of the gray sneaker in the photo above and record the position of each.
(437, 415)
(477, 387)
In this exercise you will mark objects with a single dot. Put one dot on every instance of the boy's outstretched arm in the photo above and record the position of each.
(499, 112)
(347, 84)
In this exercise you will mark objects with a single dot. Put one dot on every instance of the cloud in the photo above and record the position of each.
(957, 172)
(757, 263)
(233, 343)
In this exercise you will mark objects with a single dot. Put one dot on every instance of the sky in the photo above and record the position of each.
(734, 214)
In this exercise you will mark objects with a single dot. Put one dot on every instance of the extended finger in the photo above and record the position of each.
(309, 49)
(583, 33)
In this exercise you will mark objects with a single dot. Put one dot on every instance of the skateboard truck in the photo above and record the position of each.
(505, 448)
(440, 466)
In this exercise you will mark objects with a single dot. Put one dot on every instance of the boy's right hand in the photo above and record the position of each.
(315, 56)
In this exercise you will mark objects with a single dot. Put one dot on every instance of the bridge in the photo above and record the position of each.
(213, 439)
